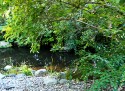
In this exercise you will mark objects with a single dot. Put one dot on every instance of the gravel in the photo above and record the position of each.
(29, 83)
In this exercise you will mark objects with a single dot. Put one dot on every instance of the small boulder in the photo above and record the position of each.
(41, 72)
(20, 75)
(4, 44)
(11, 75)
(33, 72)
(8, 67)
(49, 80)
(8, 87)
(63, 81)
(62, 75)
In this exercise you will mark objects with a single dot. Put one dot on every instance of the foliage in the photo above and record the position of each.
(26, 70)
(106, 72)
(21, 69)
(2, 24)
(94, 29)
(34, 22)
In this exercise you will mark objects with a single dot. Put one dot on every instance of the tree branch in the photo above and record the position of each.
(89, 24)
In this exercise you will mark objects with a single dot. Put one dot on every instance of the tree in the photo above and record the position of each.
(93, 28)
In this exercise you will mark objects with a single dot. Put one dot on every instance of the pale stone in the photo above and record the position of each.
(4, 44)
(63, 81)
(20, 75)
(49, 80)
(33, 72)
(8, 67)
(40, 72)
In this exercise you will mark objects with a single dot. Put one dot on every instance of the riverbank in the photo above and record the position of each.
(39, 80)
(30, 83)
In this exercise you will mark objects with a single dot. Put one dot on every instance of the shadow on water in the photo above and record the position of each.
(17, 56)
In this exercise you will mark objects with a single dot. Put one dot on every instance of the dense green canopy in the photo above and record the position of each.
(65, 24)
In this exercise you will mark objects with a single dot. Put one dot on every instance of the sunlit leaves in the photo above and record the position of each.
(65, 23)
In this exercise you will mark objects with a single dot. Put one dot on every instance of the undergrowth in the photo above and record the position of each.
(107, 73)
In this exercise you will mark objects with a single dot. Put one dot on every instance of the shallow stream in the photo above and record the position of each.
(18, 56)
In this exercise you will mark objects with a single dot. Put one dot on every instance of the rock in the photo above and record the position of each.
(11, 75)
(62, 75)
(8, 67)
(4, 44)
(40, 72)
(8, 87)
(33, 72)
(49, 80)
(63, 81)
(1, 76)
(20, 75)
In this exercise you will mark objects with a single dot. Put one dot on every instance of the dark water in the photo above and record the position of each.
(17, 56)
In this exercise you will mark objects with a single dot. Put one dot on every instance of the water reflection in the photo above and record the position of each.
(16, 56)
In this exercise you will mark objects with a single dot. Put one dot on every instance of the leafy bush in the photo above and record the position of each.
(21, 69)
(26, 70)
(107, 72)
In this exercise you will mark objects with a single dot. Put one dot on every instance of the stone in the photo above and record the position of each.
(41, 72)
(62, 75)
(33, 72)
(8, 67)
(1, 76)
(49, 80)
(8, 87)
(63, 81)
(20, 75)
(11, 75)
(4, 44)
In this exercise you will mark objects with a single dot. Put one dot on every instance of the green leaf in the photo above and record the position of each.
(122, 1)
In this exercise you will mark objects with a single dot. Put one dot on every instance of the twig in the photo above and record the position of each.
(88, 24)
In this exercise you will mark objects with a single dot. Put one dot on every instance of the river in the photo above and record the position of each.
(17, 56)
